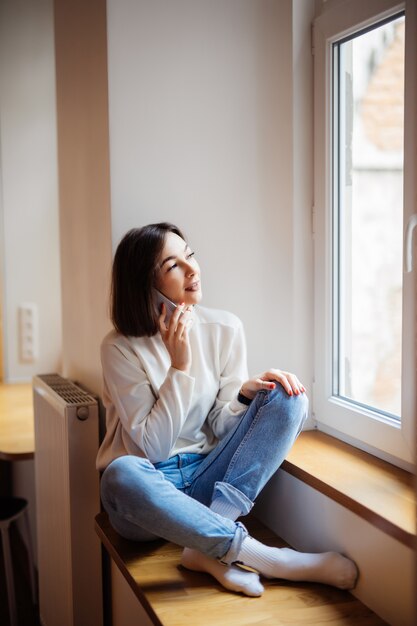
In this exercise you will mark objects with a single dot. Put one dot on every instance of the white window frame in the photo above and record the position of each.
(368, 430)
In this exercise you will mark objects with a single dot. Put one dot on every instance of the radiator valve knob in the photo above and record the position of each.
(82, 413)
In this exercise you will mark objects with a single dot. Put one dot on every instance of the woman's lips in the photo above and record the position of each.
(194, 286)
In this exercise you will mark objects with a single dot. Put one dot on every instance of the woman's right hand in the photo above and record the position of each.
(175, 336)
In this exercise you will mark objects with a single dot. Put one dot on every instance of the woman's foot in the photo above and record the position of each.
(329, 568)
(231, 577)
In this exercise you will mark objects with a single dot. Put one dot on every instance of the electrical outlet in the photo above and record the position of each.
(28, 332)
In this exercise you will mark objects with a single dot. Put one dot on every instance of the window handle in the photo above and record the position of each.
(412, 223)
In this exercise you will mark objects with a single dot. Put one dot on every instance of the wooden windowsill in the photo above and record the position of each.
(173, 596)
(377, 491)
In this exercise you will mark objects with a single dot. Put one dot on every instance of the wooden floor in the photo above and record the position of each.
(174, 596)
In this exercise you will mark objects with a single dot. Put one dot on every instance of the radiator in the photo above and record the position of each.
(67, 500)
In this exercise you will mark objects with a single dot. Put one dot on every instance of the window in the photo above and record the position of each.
(367, 183)
(363, 336)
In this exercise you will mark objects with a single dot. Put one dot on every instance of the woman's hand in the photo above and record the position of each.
(175, 336)
(268, 381)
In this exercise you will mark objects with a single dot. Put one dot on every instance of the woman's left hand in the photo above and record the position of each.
(268, 381)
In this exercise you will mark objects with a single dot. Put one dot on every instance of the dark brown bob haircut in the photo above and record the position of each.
(133, 311)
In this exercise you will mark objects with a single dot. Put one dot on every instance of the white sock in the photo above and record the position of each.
(231, 577)
(225, 509)
(330, 568)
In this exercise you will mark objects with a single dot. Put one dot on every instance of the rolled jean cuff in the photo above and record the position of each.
(231, 555)
(233, 496)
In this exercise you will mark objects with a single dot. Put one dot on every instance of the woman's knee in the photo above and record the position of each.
(293, 407)
(122, 473)
(123, 488)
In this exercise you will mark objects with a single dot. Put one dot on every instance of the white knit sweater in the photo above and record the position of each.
(156, 411)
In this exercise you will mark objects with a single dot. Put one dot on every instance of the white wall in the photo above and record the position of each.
(28, 203)
(210, 129)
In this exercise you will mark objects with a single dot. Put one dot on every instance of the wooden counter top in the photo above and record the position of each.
(17, 440)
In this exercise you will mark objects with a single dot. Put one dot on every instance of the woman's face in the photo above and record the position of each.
(178, 273)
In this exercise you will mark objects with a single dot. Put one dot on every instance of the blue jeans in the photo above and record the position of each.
(171, 499)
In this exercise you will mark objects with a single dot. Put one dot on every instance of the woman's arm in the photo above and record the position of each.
(234, 383)
(233, 370)
(152, 423)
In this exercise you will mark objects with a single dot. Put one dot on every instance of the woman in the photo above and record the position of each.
(191, 439)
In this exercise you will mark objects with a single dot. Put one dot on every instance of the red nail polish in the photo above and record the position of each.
(290, 393)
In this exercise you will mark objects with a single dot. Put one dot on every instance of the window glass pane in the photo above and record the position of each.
(368, 216)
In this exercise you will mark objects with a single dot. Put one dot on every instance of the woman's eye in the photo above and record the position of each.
(188, 256)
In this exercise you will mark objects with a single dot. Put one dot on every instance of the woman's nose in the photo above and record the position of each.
(189, 270)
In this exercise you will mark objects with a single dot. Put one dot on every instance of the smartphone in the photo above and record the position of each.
(159, 299)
